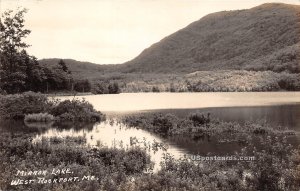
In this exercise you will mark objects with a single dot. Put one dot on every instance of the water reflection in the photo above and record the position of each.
(17, 126)
(115, 135)
(275, 115)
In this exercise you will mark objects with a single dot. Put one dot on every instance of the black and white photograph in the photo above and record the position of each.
(149, 95)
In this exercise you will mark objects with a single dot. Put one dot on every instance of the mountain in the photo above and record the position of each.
(80, 70)
(261, 38)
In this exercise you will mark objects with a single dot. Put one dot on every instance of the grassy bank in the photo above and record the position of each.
(67, 93)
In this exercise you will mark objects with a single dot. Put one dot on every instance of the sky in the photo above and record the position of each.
(111, 31)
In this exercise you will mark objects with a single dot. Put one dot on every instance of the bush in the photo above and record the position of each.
(199, 119)
(16, 106)
(163, 123)
(76, 110)
(37, 107)
(39, 117)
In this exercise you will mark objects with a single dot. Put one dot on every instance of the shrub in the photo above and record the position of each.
(199, 118)
(39, 117)
(163, 123)
(16, 106)
(36, 107)
(76, 110)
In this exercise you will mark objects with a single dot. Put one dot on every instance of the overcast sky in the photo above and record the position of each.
(111, 31)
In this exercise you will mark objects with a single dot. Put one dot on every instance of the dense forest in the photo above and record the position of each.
(20, 71)
(262, 38)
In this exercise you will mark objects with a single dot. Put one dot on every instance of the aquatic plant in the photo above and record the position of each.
(199, 125)
(39, 117)
(199, 118)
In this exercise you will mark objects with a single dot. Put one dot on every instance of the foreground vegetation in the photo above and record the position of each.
(276, 166)
(112, 167)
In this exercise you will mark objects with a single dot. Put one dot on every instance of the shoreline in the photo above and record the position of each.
(162, 92)
(67, 94)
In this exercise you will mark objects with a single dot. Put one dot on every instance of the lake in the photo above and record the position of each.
(275, 108)
(132, 102)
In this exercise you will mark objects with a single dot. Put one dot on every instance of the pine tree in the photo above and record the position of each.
(12, 50)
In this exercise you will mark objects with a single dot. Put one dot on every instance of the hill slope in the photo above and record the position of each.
(80, 70)
(262, 38)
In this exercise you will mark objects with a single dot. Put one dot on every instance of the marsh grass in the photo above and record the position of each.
(39, 117)
(75, 140)
(199, 125)
(112, 166)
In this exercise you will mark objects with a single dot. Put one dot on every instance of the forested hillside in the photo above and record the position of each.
(80, 69)
(262, 38)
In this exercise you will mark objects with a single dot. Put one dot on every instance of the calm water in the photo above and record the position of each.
(276, 108)
(154, 101)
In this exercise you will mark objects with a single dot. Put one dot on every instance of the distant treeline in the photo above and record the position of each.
(214, 81)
